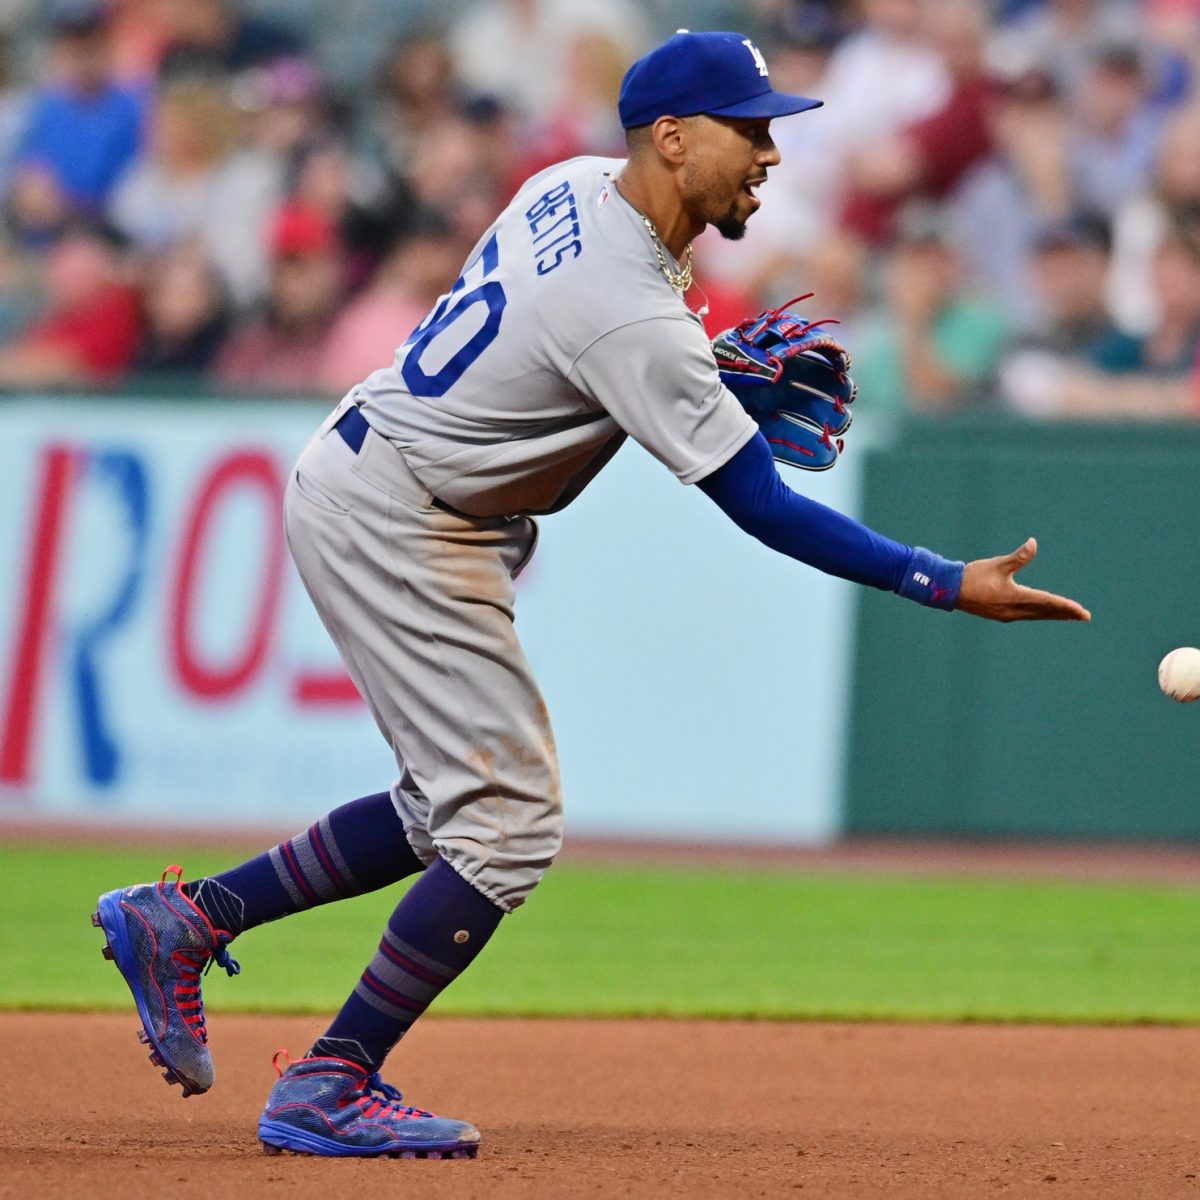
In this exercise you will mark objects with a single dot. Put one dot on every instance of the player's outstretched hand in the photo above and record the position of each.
(989, 590)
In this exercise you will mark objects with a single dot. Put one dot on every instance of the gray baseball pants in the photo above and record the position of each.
(419, 603)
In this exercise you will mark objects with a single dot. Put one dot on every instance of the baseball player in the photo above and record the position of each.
(412, 510)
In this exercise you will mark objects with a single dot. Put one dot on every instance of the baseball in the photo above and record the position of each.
(1179, 674)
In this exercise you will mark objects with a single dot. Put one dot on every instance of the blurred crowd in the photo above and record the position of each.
(1000, 201)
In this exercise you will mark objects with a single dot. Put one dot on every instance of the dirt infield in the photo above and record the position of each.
(631, 1108)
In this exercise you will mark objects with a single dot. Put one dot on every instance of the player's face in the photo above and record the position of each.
(727, 161)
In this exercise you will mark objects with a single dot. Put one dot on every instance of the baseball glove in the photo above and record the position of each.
(793, 379)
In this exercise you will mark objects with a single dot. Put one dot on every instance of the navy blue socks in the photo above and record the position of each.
(355, 849)
(433, 936)
(438, 928)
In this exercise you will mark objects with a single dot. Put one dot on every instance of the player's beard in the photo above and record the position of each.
(706, 185)
(731, 227)
(731, 224)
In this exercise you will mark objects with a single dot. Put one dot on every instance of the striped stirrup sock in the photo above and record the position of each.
(433, 936)
(357, 848)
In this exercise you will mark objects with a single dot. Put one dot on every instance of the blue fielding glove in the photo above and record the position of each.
(793, 379)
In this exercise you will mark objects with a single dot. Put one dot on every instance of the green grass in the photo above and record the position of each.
(607, 941)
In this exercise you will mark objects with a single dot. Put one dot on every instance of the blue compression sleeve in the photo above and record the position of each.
(750, 492)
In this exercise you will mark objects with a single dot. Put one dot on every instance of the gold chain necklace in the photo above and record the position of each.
(681, 280)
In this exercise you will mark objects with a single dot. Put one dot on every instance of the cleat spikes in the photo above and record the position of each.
(143, 1037)
(424, 1155)
(96, 919)
(416, 1153)
(106, 951)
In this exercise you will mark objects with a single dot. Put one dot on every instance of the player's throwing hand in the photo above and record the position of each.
(989, 590)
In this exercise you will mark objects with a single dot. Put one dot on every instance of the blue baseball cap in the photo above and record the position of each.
(722, 74)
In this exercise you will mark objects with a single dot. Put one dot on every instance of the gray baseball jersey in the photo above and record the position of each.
(561, 336)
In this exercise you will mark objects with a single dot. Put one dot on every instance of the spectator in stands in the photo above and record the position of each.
(883, 77)
(935, 346)
(799, 36)
(84, 131)
(87, 335)
(369, 208)
(1171, 348)
(516, 50)
(1019, 189)
(196, 182)
(1113, 141)
(799, 40)
(1066, 114)
(187, 318)
(417, 90)
(498, 135)
(1162, 381)
(1064, 36)
(294, 123)
(1074, 327)
(461, 168)
(583, 119)
(215, 36)
(1144, 219)
(420, 268)
(287, 105)
(1071, 265)
(284, 349)
(930, 157)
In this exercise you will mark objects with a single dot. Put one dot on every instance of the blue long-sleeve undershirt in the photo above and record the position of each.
(751, 493)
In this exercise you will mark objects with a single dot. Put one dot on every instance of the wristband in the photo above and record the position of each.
(931, 580)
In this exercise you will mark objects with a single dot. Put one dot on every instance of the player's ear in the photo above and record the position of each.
(670, 137)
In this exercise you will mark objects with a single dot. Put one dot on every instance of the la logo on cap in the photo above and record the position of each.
(759, 61)
(756, 53)
(721, 74)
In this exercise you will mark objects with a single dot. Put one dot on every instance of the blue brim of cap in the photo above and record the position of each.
(770, 104)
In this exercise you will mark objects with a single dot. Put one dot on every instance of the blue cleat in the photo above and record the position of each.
(333, 1107)
(160, 942)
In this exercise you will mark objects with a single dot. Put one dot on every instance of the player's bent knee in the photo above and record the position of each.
(505, 868)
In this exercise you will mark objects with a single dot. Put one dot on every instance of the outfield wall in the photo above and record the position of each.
(970, 728)
(159, 661)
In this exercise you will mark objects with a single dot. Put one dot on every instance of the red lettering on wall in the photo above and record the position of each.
(203, 678)
(34, 623)
(312, 689)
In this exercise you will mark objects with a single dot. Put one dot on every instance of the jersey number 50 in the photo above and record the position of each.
(453, 306)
